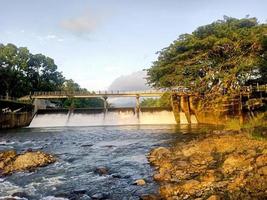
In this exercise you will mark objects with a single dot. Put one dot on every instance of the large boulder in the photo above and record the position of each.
(10, 161)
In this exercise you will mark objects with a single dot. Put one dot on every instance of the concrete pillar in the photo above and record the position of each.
(185, 105)
(137, 105)
(105, 103)
(176, 107)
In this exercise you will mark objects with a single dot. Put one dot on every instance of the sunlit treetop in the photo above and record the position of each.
(224, 55)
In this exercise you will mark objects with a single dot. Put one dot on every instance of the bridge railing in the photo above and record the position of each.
(183, 90)
(80, 93)
(8, 98)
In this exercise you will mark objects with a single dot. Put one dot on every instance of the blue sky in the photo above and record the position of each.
(95, 41)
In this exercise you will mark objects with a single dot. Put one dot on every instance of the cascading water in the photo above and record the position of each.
(100, 118)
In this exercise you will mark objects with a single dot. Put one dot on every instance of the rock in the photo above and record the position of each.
(159, 153)
(100, 196)
(261, 160)
(116, 176)
(149, 197)
(85, 197)
(101, 171)
(214, 197)
(208, 177)
(235, 161)
(86, 145)
(140, 182)
(21, 195)
(263, 170)
(81, 191)
(11, 162)
(190, 186)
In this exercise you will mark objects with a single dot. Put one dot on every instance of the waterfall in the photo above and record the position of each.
(114, 116)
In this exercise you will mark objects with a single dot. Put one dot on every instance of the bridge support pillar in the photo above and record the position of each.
(176, 107)
(105, 103)
(185, 105)
(137, 105)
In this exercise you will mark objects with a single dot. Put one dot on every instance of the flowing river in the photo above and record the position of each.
(80, 150)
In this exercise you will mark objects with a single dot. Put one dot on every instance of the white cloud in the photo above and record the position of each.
(83, 24)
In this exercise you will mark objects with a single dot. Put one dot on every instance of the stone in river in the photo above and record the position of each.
(101, 171)
(11, 162)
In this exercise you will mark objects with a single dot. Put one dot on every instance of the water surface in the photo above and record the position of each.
(80, 150)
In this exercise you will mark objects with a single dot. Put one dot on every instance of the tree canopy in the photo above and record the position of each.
(226, 54)
(22, 72)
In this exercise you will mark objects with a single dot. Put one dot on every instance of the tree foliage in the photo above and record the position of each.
(163, 101)
(71, 86)
(22, 72)
(221, 56)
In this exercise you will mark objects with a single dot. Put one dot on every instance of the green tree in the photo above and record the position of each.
(163, 101)
(22, 72)
(216, 58)
(70, 86)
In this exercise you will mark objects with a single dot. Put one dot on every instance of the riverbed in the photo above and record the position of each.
(80, 151)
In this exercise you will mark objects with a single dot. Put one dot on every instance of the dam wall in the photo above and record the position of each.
(15, 114)
(102, 117)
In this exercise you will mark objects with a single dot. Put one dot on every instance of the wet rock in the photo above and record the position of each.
(102, 171)
(100, 196)
(81, 191)
(11, 162)
(86, 145)
(21, 195)
(149, 197)
(116, 176)
(85, 197)
(140, 182)
(158, 153)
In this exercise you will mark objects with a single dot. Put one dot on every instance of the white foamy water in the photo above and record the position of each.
(98, 119)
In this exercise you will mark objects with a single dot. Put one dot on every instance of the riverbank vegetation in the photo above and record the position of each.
(22, 73)
(215, 59)
(163, 101)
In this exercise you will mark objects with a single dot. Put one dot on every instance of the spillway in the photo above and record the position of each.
(96, 117)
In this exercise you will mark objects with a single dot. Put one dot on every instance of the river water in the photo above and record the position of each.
(80, 150)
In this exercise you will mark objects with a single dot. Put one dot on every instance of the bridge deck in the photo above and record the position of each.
(246, 90)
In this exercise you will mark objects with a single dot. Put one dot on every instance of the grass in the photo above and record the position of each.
(255, 127)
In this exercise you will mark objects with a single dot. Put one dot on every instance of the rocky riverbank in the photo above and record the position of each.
(219, 165)
(11, 162)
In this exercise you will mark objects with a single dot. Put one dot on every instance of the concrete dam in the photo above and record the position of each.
(100, 117)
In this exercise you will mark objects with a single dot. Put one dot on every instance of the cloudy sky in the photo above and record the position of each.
(96, 41)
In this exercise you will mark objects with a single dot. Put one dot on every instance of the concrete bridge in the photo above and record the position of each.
(104, 95)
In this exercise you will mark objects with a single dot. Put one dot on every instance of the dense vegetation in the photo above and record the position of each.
(163, 101)
(22, 72)
(214, 59)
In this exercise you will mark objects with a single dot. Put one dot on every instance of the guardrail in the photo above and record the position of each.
(8, 98)
(80, 93)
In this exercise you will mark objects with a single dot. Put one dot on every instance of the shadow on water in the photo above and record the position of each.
(80, 150)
